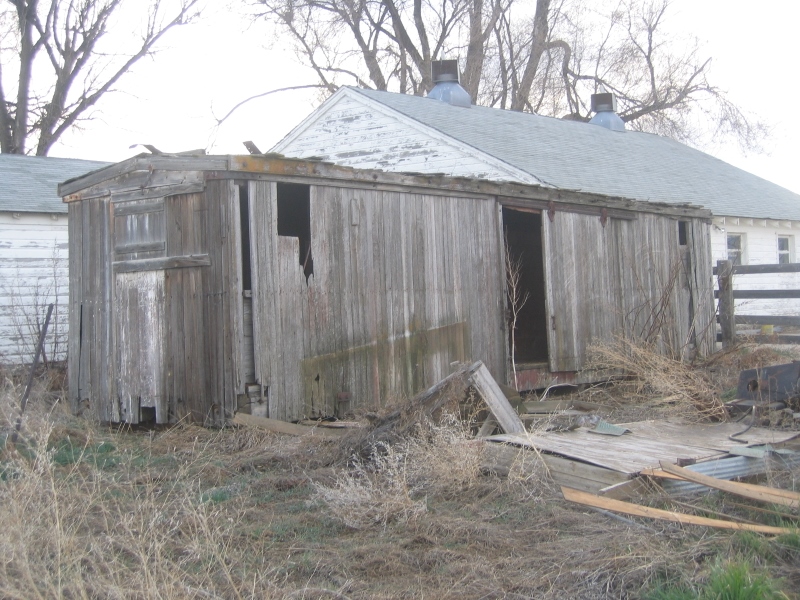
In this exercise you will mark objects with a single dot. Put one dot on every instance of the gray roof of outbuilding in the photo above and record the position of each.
(29, 183)
(580, 156)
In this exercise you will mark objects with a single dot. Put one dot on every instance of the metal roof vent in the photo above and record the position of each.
(447, 89)
(605, 105)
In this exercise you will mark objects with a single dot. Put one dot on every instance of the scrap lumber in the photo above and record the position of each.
(628, 508)
(745, 490)
(498, 404)
(277, 426)
(502, 459)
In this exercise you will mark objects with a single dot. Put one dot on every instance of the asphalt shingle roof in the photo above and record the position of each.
(581, 156)
(29, 183)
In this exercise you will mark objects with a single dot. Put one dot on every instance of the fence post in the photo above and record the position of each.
(727, 320)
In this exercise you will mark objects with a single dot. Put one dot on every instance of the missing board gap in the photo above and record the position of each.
(294, 220)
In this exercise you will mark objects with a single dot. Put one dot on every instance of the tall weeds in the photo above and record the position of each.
(80, 521)
(683, 386)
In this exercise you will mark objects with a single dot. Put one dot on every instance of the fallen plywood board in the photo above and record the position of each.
(648, 443)
(637, 510)
(746, 490)
(504, 459)
(277, 426)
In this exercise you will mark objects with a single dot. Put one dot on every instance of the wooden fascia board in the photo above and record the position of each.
(80, 188)
(146, 171)
(143, 183)
(508, 193)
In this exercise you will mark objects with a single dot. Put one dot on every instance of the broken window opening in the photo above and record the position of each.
(294, 220)
(244, 225)
(682, 233)
(523, 238)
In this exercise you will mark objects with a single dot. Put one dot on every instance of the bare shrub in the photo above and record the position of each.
(686, 390)
(391, 484)
(372, 493)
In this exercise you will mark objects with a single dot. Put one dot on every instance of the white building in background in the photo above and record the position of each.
(756, 221)
(33, 253)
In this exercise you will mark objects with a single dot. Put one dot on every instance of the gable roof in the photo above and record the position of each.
(30, 183)
(584, 157)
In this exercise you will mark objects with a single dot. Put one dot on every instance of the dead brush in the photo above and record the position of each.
(392, 484)
(79, 521)
(683, 391)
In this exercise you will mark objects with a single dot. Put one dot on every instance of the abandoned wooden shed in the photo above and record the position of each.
(205, 285)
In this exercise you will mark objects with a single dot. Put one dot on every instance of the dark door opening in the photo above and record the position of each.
(523, 239)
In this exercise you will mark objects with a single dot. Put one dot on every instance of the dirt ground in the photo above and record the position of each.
(187, 512)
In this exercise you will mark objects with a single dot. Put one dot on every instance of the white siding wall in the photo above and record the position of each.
(760, 247)
(33, 273)
(351, 134)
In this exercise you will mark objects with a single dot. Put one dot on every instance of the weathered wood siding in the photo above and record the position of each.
(630, 279)
(156, 299)
(403, 285)
(33, 274)
(91, 363)
(347, 134)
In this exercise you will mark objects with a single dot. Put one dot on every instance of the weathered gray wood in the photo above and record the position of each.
(136, 180)
(141, 164)
(504, 460)
(162, 191)
(140, 334)
(166, 170)
(138, 208)
(140, 247)
(726, 305)
(156, 264)
(505, 415)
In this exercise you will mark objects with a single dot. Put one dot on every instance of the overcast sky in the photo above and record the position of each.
(171, 101)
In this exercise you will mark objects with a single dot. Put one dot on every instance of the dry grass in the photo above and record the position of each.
(187, 512)
(681, 389)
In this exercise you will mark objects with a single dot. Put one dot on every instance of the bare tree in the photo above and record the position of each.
(57, 61)
(545, 56)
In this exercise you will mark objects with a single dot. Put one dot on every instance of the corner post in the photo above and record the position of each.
(727, 320)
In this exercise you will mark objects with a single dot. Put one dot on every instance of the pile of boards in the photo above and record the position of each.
(595, 463)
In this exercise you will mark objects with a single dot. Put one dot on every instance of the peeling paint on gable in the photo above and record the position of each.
(375, 139)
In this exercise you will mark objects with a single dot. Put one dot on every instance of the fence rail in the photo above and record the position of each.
(728, 319)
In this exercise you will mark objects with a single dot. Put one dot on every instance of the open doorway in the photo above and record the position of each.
(523, 238)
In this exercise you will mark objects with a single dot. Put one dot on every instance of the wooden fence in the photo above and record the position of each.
(728, 320)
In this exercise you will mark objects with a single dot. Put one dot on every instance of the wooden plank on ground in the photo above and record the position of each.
(502, 459)
(754, 492)
(496, 401)
(277, 426)
(637, 510)
(649, 443)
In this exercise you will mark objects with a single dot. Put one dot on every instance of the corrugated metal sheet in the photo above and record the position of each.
(731, 468)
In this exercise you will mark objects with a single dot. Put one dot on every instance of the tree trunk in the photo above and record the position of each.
(541, 28)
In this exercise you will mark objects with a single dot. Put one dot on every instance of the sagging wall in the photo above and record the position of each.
(155, 307)
(403, 284)
(647, 278)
